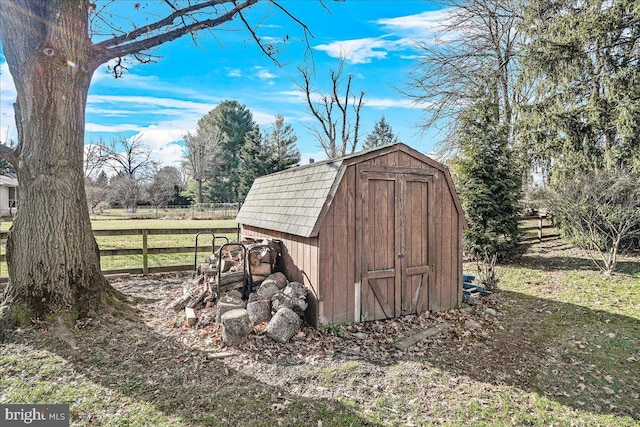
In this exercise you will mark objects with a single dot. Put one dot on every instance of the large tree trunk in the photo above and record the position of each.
(53, 258)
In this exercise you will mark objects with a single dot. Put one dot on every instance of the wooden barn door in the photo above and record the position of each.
(394, 244)
(416, 243)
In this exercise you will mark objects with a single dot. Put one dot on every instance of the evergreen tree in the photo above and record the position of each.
(6, 168)
(267, 153)
(381, 135)
(583, 58)
(255, 161)
(489, 183)
(234, 121)
(281, 141)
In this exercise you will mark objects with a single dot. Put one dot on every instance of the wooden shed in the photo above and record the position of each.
(373, 235)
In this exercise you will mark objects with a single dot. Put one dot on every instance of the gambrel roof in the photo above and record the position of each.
(294, 200)
(290, 201)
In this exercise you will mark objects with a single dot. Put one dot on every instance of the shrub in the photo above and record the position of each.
(597, 211)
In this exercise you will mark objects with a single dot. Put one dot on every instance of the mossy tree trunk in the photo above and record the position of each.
(54, 263)
(53, 258)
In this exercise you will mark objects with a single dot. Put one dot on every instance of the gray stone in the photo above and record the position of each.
(283, 325)
(227, 304)
(296, 290)
(235, 294)
(283, 301)
(490, 311)
(268, 289)
(471, 324)
(359, 335)
(235, 326)
(293, 297)
(259, 311)
(280, 279)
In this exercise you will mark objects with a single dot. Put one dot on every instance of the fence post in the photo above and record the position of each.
(540, 228)
(145, 253)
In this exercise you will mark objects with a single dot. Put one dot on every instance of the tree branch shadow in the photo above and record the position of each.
(127, 356)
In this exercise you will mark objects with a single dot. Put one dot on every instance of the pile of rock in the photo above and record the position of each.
(273, 300)
(277, 301)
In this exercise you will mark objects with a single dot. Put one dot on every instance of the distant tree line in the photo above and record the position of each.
(228, 151)
(133, 178)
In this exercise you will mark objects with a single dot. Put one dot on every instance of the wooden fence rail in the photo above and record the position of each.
(543, 224)
(204, 246)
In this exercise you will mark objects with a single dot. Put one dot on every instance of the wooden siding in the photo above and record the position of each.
(442, 233)
(337, 254)
(299, 262)
(430, 225)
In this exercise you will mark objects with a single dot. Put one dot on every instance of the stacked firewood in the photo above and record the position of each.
(233, 277)
(272, 300)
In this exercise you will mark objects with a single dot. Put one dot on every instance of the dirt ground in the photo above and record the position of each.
(496, 342)
(498, 360)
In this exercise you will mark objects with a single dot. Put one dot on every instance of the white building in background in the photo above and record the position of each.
(8, 195)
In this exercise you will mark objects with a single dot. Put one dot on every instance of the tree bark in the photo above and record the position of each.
(52, 255)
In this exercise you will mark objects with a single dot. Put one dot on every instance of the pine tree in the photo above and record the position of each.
(266, 153)
(583, 58)
(281, 141)
(234, 121)
(255, 161)
(489, 183)
(381, 135)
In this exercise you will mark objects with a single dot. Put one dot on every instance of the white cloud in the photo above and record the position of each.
(162, 140)
(382, 103)
(263, 118)
(264, 74)
(234, 72)
(117, 128)
(422, 25)
(358, 51)
(150, 101)
(401, 34)
(170, 120)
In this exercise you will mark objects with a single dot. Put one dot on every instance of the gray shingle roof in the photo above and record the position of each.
(290, 201)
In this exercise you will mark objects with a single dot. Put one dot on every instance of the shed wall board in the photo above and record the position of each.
(299, 261)
(331, 263)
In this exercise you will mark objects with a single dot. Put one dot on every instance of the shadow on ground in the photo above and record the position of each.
(123, 354)
(558, 255)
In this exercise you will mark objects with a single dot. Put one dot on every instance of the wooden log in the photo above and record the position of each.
(260, 255)
(258, 279)
(261, 269)
(226, 264)
(228, 278)
(223, 355)
(180, 302)
(190, 314)
(405, 343)
(195, 300)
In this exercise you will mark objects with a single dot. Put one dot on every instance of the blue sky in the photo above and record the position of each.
(163, 100)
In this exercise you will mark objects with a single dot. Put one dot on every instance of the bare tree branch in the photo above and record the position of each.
(105, 53)
(10, 155)
(329, 143)
(158, 25)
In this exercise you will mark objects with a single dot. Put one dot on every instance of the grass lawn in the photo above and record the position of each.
(154, 241)
(561, 349)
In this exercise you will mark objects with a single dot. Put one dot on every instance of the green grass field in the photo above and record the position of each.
(562, 350)
(154, 241)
